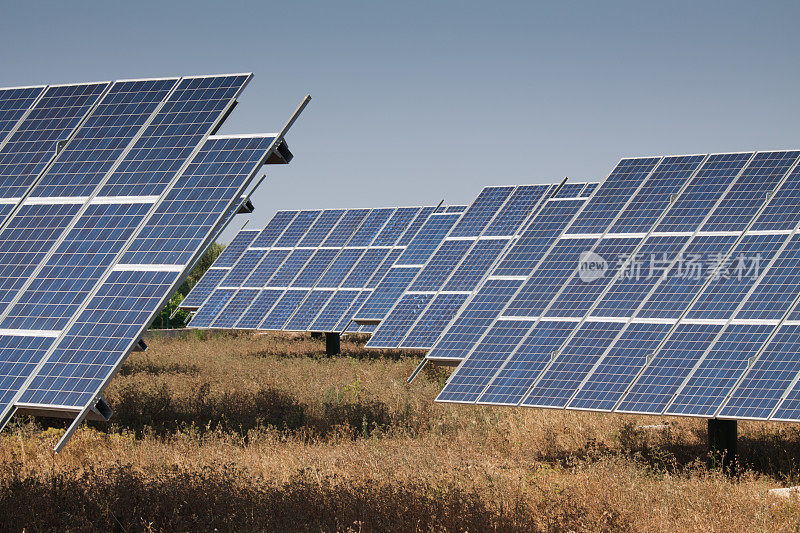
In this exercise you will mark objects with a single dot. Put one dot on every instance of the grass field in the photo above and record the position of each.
(241, 432)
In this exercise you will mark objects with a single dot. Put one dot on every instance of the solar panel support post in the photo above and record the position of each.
(722, 444)
(332, 343)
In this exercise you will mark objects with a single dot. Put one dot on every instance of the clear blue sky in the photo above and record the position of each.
(417, 102)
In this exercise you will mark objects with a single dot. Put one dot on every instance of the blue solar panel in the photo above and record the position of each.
(321, 227)
(14, 102)
(198, 200)
(341, 267)
(708, 185)
(31, 146)
(290, 267)
(441, 265)
(572, 363)
(672, 363)
(589, 189)
(344, 231)
(476, 317)
(298, 227)
(395, 327)
(526, 363)
(475, 265)
(720, 298)
(314, 268)
(259, 309)
(367, 267)
(783, 208)
(626, 292)
(612, 195)
(193, 110)
(726, 361)
(103, 333)
(393, 285)
(358, 302)
(19, 355)
(475, 372)
(383, 270)
(270, 263)
(777, 289)
(283, 309)
(272, 231)
(25, 240)
(687, 276)
(101, 140)
(768, 378)
(434, 320)
(235, 249)
(235, 308)
(553, 271)
(308, 310)
(334, 311)
(204, 288)
(481, 212)
(578, 295)
(413, 228)
(369, 228)
(55, 293)
(656, 194)
(570, 190)
(397, 225)
(608, 382)
(215, 303)
(748, 194)
(244, 267)
(428, 239)
(516, 210)
(538, 237)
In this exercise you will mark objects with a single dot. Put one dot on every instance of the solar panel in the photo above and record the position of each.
(124, 189)
(337, 253)
(706, 334)
(461, 262)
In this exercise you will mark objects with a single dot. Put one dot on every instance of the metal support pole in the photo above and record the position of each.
(722, 444)
(332, 344)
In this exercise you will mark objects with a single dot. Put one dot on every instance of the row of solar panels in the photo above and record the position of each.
(109, 193)
(315, 270)
(673, 288)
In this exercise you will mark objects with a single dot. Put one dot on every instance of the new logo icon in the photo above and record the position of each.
(591, 267)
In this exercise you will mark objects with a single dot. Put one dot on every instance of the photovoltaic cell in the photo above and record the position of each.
(434, 320)
(513, 214)
(235, 307)
(719, 371)
(481, 212)
(612, 194)
(656, 194)
(440, 265)
(270, 263)
(490, 353)
(272, 231)
(708, 185)
(476, 317)
(231, 254)
(396, 326)
(321, 227)
(748, 194)
(672, 363)
(259, 309)
(475, 265)
(616, 370)
(767, 379)
(572, 363)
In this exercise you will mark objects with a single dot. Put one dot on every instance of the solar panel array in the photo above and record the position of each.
(453, 272)
(307, 270)
(672, 290)
(110, 192)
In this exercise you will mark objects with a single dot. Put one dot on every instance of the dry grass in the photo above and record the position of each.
(236, 432)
